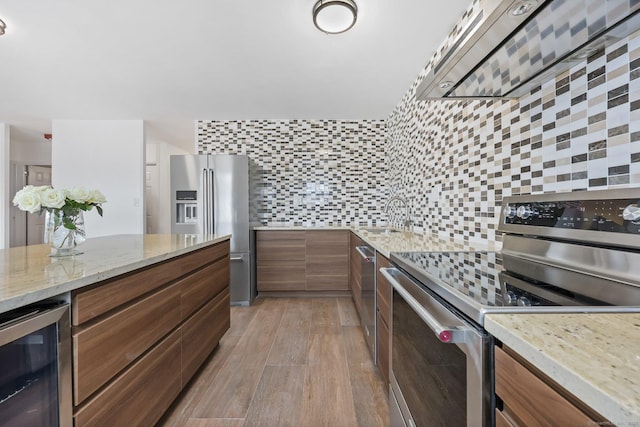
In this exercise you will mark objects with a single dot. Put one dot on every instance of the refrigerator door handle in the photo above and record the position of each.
(212, 202)
(205, 202)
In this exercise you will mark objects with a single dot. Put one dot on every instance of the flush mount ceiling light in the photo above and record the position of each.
(334, 16)
(3, 27)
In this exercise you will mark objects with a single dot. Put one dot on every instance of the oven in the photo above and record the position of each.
(441, 361)
(35, 356)
(561, 253)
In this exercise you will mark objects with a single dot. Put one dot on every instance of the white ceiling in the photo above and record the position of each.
(172, 62)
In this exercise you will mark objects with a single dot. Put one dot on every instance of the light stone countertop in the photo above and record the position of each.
(594, 356)
(400, 241)
(28, 274)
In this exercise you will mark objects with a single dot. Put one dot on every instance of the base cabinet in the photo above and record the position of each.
(302, 261)
(529, 399)
(132, 356)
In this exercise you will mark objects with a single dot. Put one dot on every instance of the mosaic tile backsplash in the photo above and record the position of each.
(307, 172)
(455, 160)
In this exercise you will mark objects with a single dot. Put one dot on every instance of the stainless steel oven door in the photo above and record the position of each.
(440, 363)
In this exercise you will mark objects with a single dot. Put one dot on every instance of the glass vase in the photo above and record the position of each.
(64, 231)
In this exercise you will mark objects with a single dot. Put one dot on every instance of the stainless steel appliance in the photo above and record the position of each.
(210, 195)
(509, 47)
(574, 252)
(35, 356)
(368, 296)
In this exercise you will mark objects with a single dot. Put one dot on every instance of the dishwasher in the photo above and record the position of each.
(368, 296)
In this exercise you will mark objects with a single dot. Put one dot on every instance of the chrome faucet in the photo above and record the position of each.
(407, 220)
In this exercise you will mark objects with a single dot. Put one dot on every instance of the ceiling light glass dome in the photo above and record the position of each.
(334, 16)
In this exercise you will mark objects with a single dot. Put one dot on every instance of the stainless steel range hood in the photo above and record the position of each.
(512, 46)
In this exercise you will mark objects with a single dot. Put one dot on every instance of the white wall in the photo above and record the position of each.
(5, 197)
(107, 155)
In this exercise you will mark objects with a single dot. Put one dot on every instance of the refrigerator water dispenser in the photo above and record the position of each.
(186, 207)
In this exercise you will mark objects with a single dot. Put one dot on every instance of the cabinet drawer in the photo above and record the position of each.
(327, 243)
(328, 265)
(203, 285)
(105, 348)
(383, 348)
(141, 394)
(501, 420)
(90, 303)
(531, 401)
(201, 333)
(281, 276)
(280, 245)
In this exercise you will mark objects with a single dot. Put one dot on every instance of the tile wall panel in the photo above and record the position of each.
(307, 172)
(456, 160)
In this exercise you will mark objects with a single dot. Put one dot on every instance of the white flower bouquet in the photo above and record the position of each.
(64, 224)
(66, 203)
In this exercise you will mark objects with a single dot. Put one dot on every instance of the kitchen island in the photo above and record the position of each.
(146, 312)
(29, 275)
(593, 356)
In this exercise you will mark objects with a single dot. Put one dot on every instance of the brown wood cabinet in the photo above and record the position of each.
(138, 338)
(297, 261)
(531, 399)
(383, 327)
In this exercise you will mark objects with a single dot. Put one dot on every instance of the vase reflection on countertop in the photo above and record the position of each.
(64, 268)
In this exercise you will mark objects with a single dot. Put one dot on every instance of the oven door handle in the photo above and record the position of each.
(443, 333)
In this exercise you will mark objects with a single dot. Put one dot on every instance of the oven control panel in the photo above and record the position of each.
(619, 215)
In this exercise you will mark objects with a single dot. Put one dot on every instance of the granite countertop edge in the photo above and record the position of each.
(616, 405)
(50, 291)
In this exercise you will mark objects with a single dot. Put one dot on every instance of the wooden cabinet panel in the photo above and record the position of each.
(327, 283)
(322, 243)
(313, 260)
(141, 394)
(201, 333)
(203, 285)
(281, 276)
(87, 304)
(280, 260)
(327, 266)
(529, 400)
(384, 348)
(280, 246)
(105, 348)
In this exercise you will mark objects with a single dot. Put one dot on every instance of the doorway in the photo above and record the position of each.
(28, 229)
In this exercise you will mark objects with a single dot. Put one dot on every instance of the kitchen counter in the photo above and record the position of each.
(28, 274)
(596, 357)
(400, 241)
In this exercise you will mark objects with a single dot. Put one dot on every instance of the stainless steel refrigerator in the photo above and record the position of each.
(210, 195)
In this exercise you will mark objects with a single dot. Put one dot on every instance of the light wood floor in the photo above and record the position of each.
(287, 362)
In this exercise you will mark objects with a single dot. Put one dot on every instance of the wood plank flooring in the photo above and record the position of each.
(287, 362)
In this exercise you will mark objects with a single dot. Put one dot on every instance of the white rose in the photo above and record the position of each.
(80, 195)
(97, 197)
(28, 199)
(51, 198)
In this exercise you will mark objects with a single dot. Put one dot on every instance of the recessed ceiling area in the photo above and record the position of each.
(170, 63)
